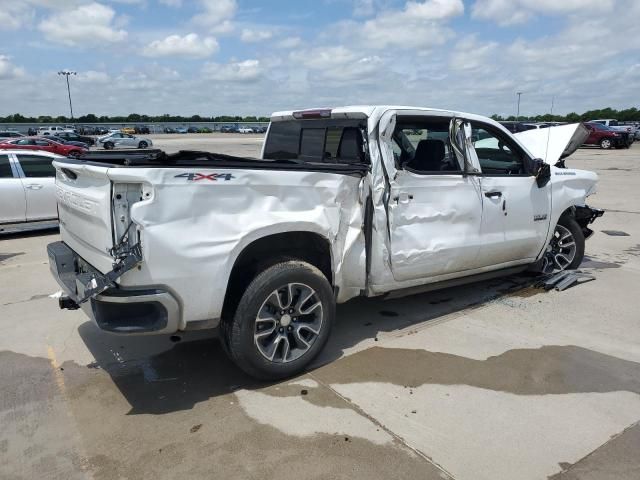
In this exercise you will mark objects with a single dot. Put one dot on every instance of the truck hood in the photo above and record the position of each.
(554, 143)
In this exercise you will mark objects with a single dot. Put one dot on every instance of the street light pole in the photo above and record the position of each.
(518, 114)
(68, 73)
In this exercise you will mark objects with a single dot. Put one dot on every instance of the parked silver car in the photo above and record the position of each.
(118, 139)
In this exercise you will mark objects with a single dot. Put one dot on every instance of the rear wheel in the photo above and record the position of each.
(566, 248)
(143, 145)
(108, 145)
(282, 321)
(605, 143)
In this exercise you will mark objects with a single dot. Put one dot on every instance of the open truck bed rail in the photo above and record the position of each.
(194, 158)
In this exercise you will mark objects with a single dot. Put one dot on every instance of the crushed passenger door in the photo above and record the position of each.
(434, 218)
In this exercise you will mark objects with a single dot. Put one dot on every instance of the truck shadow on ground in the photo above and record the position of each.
(158, 376)
(26, 232)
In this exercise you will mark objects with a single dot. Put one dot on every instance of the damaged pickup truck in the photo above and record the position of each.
(353, 201)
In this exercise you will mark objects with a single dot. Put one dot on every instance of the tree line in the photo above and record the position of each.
(131, 118)
(627, 115)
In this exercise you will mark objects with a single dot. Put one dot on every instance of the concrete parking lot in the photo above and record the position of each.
(494, 380)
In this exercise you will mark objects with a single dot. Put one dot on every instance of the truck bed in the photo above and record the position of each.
(157, 158)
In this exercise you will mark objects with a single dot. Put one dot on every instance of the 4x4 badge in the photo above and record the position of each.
(212, 177)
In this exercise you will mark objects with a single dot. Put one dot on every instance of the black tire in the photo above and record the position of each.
(74, 153)
(108, 145)
(143, 144)
(570, 224)
(237, 333)
(606, 143)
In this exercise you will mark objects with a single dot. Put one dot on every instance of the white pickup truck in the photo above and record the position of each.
(54, 130)
(353, 201)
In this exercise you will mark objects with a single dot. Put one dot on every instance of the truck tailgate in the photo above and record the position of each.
(83, 193)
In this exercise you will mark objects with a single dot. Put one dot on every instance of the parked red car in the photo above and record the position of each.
(604, 136)
(38, 143)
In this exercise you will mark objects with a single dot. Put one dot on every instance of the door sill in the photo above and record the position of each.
(454, 282)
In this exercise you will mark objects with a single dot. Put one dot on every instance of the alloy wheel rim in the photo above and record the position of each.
(606, 143)
(288, 323)
(562, 248)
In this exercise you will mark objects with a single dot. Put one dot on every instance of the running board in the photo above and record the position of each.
(455, 282)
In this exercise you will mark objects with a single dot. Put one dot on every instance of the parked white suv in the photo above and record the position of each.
(354, 201)
(27, 187)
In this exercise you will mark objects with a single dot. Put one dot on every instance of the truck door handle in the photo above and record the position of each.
(493, 194)
(402, 198)
(34, 186)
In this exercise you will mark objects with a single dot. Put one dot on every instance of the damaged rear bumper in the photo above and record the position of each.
(585, 216)
(113, 309)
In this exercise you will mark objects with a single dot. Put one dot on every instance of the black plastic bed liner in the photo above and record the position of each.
(156, 158)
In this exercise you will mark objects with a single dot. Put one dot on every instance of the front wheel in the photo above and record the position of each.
(143, 145)
(282, 321)
(108, 145)
(566, 248)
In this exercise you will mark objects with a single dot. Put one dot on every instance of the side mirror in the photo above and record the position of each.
(539, 169)
(544, 175)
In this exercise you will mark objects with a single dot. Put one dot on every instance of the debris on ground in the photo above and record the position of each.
(562, 280)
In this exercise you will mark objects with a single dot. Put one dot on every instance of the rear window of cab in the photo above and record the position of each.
(316, 141)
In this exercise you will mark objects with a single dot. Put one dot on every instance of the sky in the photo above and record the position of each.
(250, 57)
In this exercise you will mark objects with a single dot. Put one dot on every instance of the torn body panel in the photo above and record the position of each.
(191, 232)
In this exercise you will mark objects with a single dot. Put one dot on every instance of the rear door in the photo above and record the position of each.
(117, 139)
(46, 145)
(516, 212)
(38, 180)
(435, 210)
(12, 197)
(129, 141)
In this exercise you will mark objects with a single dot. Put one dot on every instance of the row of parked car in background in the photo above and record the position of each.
(605, 133)
(72, 140)
(223, 129)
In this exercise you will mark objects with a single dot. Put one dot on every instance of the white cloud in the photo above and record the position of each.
(245, 71)
(511, 12)
(94, 77)
(171, 3)
(8, 70)
(289, 42)
(190, 45)
(255, 36)
(412, 53)
(338, 64)
(417, 25)
(90, 24)
(471, 55)
(14, 15)
(363, 8)
(216, 14)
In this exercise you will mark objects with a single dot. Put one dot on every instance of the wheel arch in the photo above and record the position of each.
(267, 250)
